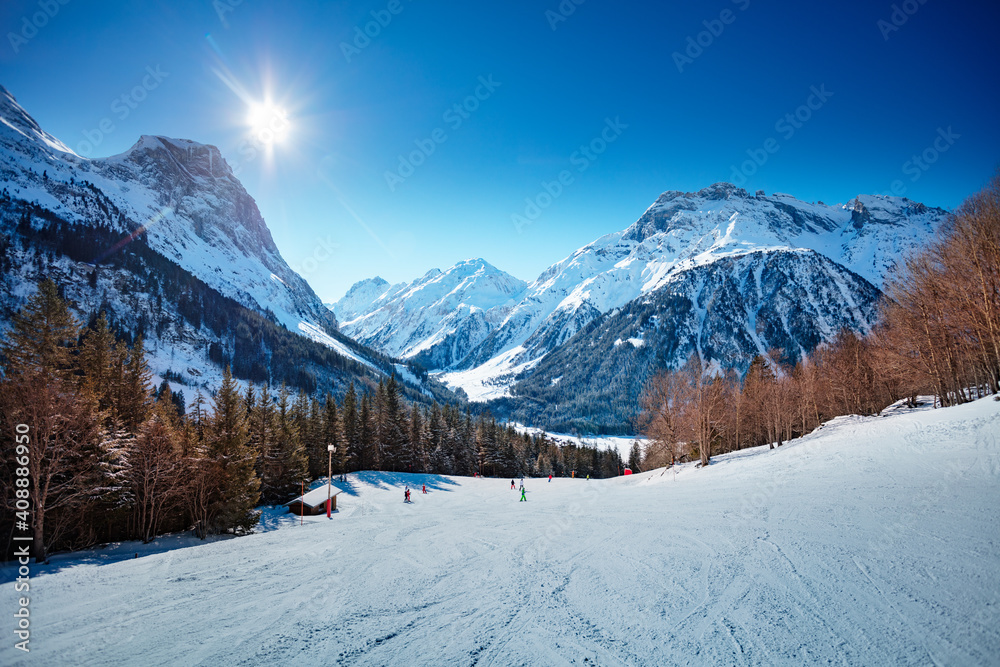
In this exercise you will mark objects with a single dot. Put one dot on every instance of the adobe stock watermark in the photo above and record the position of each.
(921, 162)
(582, 158)
(786, 126)
(33, 22)
(363, 35)
(454, 117)
(714, 28)
(22, 534)
(223, 7)
(325, 249)
(121, 108)
(901, 13)
(268, 131)
(562, 12)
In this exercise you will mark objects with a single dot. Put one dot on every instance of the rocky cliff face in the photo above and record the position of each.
(180, 196)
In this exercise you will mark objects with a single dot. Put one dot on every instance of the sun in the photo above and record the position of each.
(268, 122)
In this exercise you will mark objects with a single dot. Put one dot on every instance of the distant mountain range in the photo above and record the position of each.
(721, 272)
(166, 240)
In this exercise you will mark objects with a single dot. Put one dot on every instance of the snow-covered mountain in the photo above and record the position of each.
(166, 240)
(185, 200)
(755, 271)
(435, 320)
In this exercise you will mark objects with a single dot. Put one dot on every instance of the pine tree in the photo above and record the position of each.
(236, 485)
(394, 435)
(440, 454)
(198, 415)
(352, 443)
(285, 464)
(635, 457)
(262, 427)
(97, 361)
(368, 437)
(414, 454)
(331, 435)
(315, 440)
(135, 404)
(42, 337)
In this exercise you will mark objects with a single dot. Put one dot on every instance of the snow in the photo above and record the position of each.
(620, 443)
(872, 541)
(492, 379)
(406, 319)
(318, 495)
(680, 232)
(310, 330)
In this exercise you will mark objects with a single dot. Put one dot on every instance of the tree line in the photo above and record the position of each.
(938, 334)
(111, 458)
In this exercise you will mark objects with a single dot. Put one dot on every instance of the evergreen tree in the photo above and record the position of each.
(285, 464)
(352, 443)
(98, 361)
(262, 425)
(236, 487)
(414, 454)
(42, 337)
(316, 439)
(135, 402)
(331, 435)
(368, 437)
(635, 458)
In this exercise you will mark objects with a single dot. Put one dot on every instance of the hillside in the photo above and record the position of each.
(870, 541)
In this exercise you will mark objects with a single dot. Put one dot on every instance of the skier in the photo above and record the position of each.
(511, 485)
(588, 478)
(425, 488)
(523, 499)
(407, 495)
(550, 478)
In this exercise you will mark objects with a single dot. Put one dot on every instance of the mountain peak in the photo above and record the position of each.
(714, 192)
(192, 158)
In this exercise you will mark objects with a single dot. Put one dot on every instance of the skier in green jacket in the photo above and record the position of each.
(523, 499)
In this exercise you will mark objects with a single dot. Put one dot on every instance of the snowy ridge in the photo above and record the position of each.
(436, 319)
(726, 312)
(683, 232)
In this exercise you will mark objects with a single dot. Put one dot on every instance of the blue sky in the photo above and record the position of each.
(534, 82)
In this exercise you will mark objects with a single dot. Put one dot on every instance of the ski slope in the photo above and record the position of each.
(872, 541)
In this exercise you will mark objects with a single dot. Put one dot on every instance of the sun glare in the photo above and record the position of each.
(268, 122)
